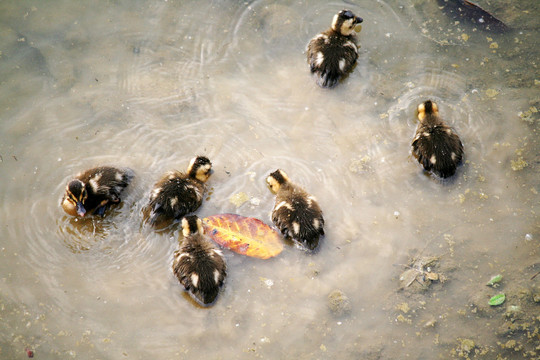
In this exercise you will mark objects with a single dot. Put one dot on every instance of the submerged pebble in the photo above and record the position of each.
(465, 347)
(339, 303)
(513, 311)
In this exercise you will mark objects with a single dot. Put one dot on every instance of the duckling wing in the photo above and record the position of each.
(182, 266)
(110, 182)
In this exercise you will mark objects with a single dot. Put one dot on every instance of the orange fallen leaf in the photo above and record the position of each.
(243, 235)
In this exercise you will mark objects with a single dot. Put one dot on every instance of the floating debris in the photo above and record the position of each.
(497, 300)
(420, 271)
(430, 323)
(468, 11)
(494, 280)
(239, 199)
(243, 235)
(518, 164)
(529, 116)
(492, 93)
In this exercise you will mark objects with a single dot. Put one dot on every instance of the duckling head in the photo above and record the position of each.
(345, 21)
(200, 168)
(74, 199)
(427, 108)
(276, 179)
(192, 224)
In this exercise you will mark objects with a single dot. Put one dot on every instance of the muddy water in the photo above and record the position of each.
(149, 84)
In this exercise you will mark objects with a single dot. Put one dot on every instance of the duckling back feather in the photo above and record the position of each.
(200, 268)
(436, 146)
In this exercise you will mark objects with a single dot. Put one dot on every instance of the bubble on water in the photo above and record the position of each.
(528, 237)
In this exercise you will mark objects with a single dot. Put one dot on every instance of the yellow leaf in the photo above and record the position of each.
(243, 235)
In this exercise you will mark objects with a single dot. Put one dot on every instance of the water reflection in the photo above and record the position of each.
(159, 82)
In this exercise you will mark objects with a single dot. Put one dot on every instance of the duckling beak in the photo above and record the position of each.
(81, 211)
(358, 20)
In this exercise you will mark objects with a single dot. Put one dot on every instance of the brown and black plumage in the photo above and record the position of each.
(198, 265)
(436, 146)
(93, 190)
(177, 194)
(332, 54)
(296, 213)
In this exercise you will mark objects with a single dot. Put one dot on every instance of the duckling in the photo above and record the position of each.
(436, 146)
(93, 190)
(296, 213)
(332, 54)
(198, 265)
(177, 194)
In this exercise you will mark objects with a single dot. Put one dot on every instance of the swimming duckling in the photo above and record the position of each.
(436, 146)
(333, 53)
(93, 190)
(177, 194)
(198, 265)
(296, 213)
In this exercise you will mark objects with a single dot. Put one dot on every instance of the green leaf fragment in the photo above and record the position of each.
(497, 300)
(494, 280)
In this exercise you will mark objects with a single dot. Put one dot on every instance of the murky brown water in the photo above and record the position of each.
(149, 84)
